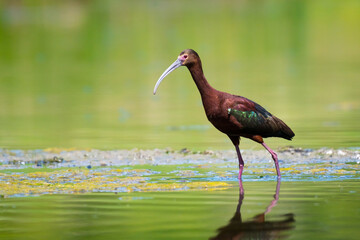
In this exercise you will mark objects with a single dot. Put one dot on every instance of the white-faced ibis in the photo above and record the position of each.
(233, 115)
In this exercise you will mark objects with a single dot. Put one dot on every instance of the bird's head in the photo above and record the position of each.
(188, 57)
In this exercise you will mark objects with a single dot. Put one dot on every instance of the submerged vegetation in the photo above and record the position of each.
(98, 180)
(58, 171)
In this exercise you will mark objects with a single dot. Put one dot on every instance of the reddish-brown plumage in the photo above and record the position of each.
(233, 115)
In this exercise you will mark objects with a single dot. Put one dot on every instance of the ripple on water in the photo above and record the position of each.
(193, 214)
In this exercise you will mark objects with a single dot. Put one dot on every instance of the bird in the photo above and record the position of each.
(233, 115)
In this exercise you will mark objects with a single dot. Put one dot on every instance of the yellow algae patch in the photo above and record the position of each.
(122, 172)
(149, 187)
(341, 171)
(262, 170)
(80, 181)
(98, 184)
(287, 169)
(291, 170)
(319, 170)
(39, 175)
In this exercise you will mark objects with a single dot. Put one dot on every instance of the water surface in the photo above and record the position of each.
(81, 74)
(304, 210)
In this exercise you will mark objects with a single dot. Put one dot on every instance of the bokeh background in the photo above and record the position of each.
(81, 73)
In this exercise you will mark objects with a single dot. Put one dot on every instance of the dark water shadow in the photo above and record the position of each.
(257, 227)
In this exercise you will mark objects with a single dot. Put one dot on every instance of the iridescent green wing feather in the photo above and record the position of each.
(255, 119)
(261, 122)
(249, 119)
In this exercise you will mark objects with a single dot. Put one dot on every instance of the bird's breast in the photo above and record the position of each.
(223, 122)
(216, 111)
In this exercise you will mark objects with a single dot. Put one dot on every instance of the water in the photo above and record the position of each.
(81, 74)
(174, 195)
(304, 210)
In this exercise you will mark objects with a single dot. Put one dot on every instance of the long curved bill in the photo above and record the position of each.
(172, 67)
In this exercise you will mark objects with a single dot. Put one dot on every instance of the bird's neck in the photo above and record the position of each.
(202, 84)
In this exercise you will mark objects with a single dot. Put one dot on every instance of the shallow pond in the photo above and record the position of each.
(80, 74)
(304, 210)
(162, 194)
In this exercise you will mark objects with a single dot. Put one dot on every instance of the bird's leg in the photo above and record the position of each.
(274, 156)
(236, 140)
(241, 162)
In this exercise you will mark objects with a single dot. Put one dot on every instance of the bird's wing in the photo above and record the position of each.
(256, 120)
(253, 118)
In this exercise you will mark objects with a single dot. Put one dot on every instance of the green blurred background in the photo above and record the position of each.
(81, 73)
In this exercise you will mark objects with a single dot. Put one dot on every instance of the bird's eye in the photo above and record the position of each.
(185, 56)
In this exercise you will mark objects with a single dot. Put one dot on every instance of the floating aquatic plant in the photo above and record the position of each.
(160, 170)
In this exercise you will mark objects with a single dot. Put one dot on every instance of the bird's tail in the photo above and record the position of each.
(284, 130)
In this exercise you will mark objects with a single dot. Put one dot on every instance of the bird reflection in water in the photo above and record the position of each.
(257, 227)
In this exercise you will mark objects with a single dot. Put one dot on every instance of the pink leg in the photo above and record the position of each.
(236, 141)
(274, 156)
(241, 162)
